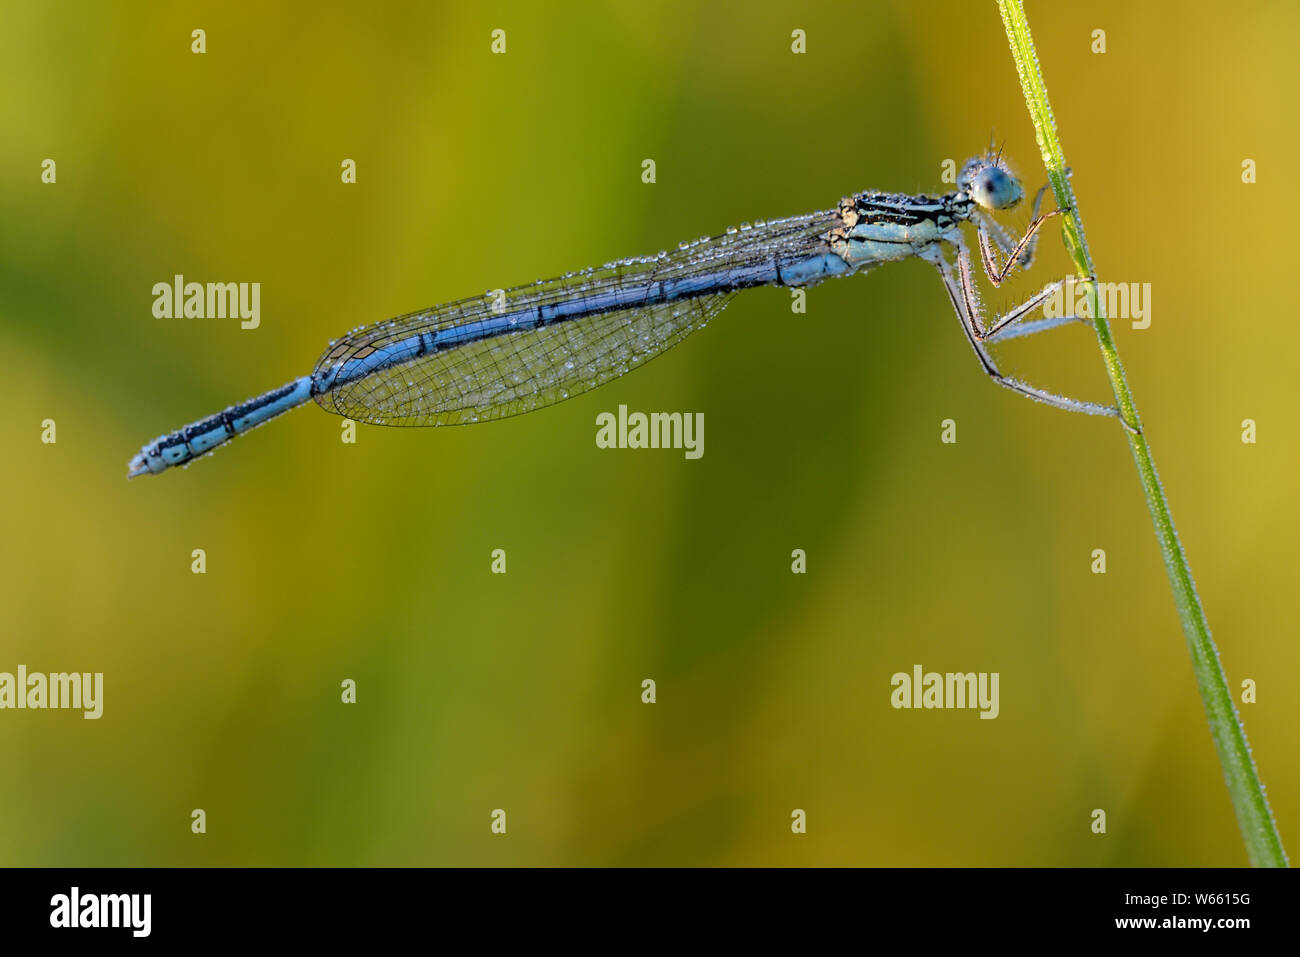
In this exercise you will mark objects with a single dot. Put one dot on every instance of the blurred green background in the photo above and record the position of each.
(371, 561)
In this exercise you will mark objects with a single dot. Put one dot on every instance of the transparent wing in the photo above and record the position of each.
(492, 378)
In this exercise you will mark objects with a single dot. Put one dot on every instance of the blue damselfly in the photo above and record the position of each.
(516, 350)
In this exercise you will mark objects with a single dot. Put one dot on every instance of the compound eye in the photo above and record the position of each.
(995, 189)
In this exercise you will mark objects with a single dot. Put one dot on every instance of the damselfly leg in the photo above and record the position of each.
(1000, 324)
(991, 233)
(1022, 329)
(965, 302)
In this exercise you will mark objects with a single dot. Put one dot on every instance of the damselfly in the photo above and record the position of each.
(516, 350)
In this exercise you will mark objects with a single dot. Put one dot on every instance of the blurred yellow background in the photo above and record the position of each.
(371, 561)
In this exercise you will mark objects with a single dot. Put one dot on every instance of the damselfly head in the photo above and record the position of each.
(989, 183)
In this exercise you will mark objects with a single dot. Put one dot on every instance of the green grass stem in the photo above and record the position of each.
(1258, 829)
